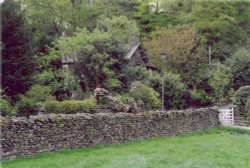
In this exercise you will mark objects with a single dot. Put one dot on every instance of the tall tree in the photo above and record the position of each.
(240, 66)
(219, 79)
(117, 7)
(185, 50)
(99, 53)
(17, 63)
(222, 23)
(52, 19)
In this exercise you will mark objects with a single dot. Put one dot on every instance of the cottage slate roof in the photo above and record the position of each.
(132, 51)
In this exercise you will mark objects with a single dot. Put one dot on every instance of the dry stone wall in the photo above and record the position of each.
(52, 132)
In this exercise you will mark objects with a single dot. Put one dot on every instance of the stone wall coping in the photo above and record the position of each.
(59, 116)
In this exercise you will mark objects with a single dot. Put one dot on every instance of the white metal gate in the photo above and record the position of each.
(226, 115)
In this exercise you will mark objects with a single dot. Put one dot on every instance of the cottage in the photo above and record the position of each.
(137, 55)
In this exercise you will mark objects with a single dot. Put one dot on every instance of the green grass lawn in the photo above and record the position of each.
(212, 148)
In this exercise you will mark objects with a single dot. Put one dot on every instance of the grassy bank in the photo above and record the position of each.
(223, 147)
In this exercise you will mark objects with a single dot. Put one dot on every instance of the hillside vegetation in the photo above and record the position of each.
(36, 34)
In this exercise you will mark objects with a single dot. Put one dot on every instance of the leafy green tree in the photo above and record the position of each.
(99, 54)
(120, 27)
(224, 24)
(37, 94)
(53, 79)
(240, 66)
(134, 73)
(90, 55)
(199, 98)
(150, 21)
(247, 108)
(244, 16)
(6, 107)
(53, 19)
(116, 8)
(176, 95)
(219, 80)
(146, 94)
(185, 52)
(241, 98)
(17, 62)
(219, 23)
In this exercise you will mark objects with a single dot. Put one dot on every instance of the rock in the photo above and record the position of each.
(135, 106)
(113, 103)
(100, 111)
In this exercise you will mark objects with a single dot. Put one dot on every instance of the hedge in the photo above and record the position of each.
(240, 98)
(69, 107)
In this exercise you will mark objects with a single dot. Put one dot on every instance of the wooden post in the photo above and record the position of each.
(232, 111)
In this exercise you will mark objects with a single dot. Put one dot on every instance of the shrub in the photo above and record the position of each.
(219, 79)
(199, 98)
(186, 47)
(176, 95)
(6, 108)
(28, 102)
(240, 65)
(247, 108)
(146, 94)
(125, 97)
(69, 107)
(135, 73)
(241, 97)
(53, 79)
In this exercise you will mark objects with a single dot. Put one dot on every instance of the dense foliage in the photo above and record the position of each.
(6, 108)
(69, 107)
(219, 79)
(17, 62)
(185, 52)
(146, 94)
(97, 35)
(241, 98)
(176, 95)
(239, 63)
(247, 108)
(29, 101)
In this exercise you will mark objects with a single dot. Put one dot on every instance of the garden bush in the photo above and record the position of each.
(6, 108)
(247, 108)
(28, 102)
(135, 73)
(219, 80)
(125, 97)
(146, 94)
(176, 95)
(239, 63)
(69, 107)
(199, 98)
(241, 97)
